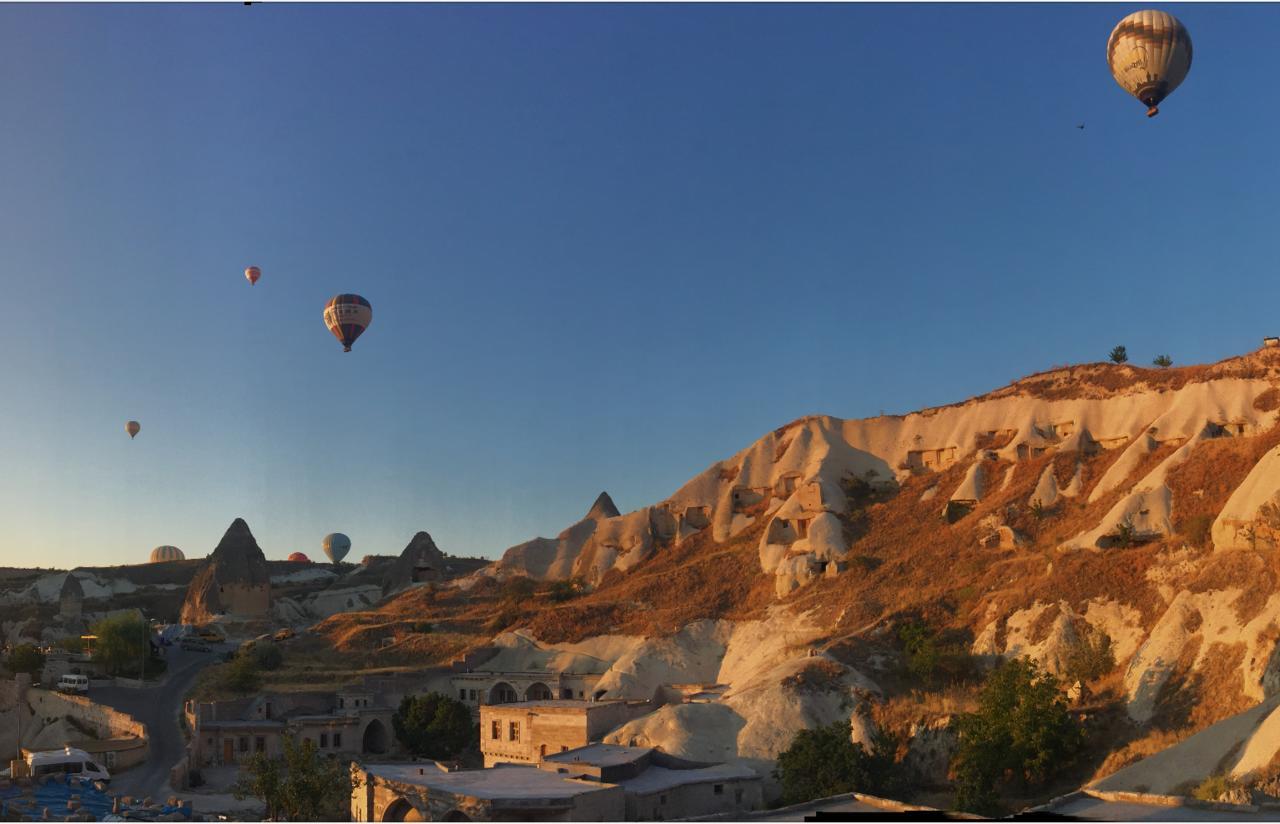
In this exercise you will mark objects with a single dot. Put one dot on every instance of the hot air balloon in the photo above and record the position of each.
(347, 316)
(336, 546)
(253, 273)
(161, 554)
(299, 558)
(133, 428)
(1150, 54)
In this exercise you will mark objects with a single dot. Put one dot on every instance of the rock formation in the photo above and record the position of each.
(235, 581)
(420, 562)
(71, 603)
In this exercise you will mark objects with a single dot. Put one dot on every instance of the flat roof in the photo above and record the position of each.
(599, 755)
(655, 779)
(552, 704)
(494, 783)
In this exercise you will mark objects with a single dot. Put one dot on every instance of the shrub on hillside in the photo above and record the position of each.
(1214, 787)
(1197, 529)
(519, 588)
(1021, 733)
(1119, 355)
(25, 658)
(1090, 658)
(824, 761)
(267, 656)
(242, 674)
(929, 660)
(566, 590)
(433, 726)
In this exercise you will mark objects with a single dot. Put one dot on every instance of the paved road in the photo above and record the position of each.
(159, 708)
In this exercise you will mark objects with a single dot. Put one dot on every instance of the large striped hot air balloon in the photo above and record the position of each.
(347, 316)
(1150, 54)
(252, 274)
(336, 546)
(133, 428)
(161, 554)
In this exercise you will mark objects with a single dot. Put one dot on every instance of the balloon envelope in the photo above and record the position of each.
(1149, 53)
(347, 316)
(161, 554)
(133, 428)
(299, 558)
(336, 546)
(253, 273)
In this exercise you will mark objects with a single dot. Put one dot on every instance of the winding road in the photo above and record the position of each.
(158, 707)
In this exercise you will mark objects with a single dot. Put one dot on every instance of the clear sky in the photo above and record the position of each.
(605, 247)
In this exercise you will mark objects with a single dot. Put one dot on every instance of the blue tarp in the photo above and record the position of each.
(56, 793)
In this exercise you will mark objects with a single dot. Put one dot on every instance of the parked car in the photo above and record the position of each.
(194, 644)
(211, 635)
(73, 683)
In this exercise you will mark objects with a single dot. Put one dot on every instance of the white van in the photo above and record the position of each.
(73, 683)
(66, 762)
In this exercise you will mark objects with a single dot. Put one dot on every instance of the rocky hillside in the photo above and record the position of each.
(1098, 499)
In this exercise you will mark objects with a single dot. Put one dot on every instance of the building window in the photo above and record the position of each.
(662, 799)
(462, 695)
(210, 742)
(259, 744)
(337, 740)
(718, 789)
(473, 695)
(244, 743)
(737, 795)
(342, 703)
(324, 740)
(513, 731)
(495, 728)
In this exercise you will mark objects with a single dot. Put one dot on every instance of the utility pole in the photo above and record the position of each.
(146, 642)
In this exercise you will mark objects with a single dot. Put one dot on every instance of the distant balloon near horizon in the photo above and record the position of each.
(252, 274)
(164, 554)
(299, 558)
(347, 316)
(336, 546)
(1149, 53)
(133, 428)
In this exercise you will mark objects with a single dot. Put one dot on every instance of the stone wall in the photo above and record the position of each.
(108, 723)
(693, 800)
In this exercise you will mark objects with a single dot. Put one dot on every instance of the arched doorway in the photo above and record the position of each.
(538, 692)
(375, 741)
(401, 810)
(503, 693)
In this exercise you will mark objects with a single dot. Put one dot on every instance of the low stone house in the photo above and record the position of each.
(529, 731)
(345, 723)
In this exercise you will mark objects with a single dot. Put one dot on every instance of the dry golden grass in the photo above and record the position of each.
(1202, 484)
(897, 713)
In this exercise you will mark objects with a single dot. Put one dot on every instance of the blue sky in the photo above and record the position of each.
(605, 246)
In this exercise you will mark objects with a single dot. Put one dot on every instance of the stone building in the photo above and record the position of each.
(343, 723)
(595, 783)
(428, 791)
(528, 731)
(660, 787)
(477, 689)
